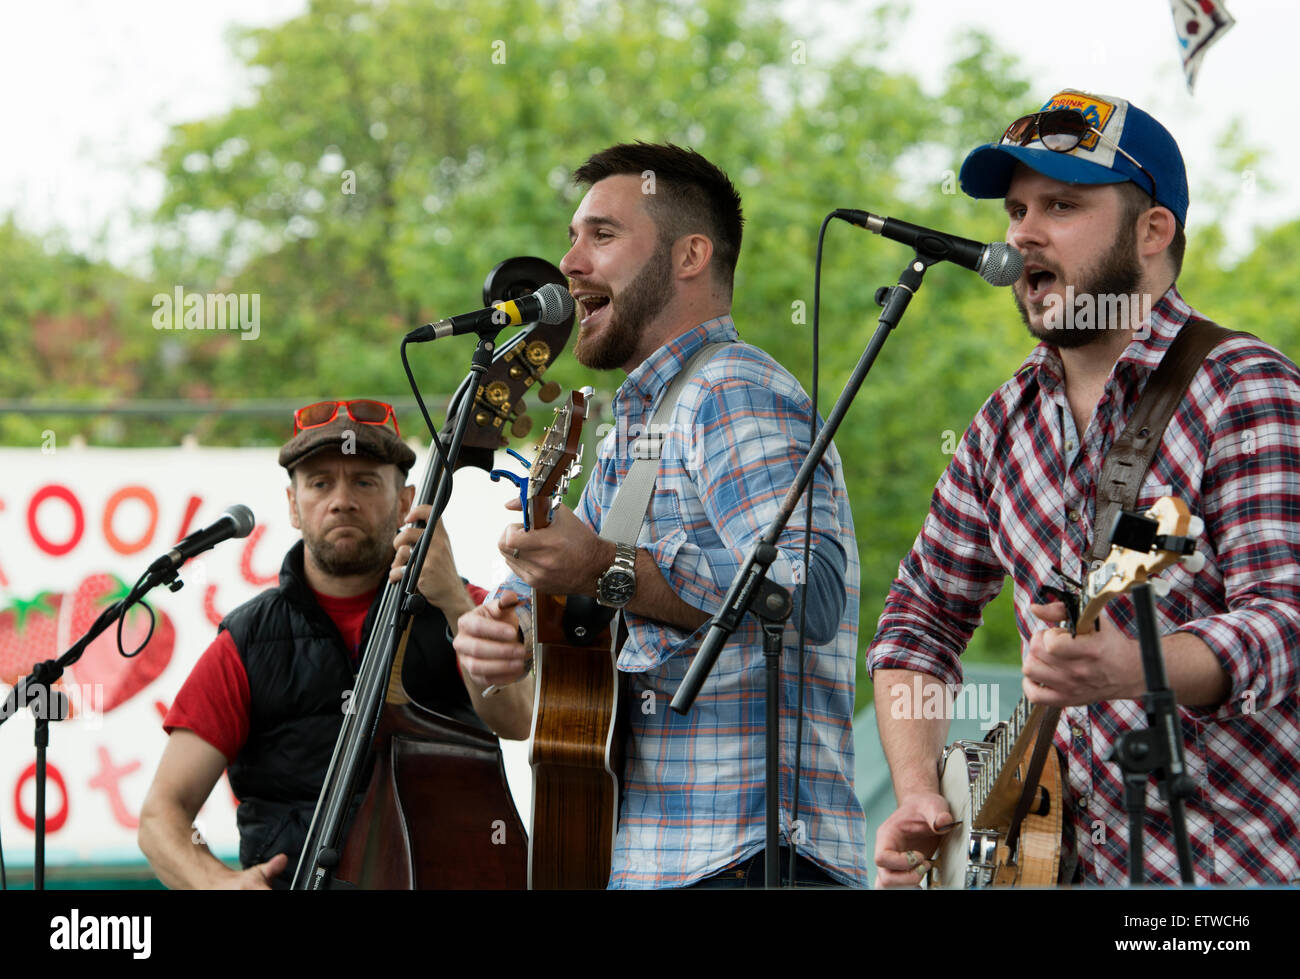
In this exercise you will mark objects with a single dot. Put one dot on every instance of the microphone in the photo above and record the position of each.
(550, 304)
(997, 262)
(236, 521)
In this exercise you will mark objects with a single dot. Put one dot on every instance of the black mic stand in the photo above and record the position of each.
(37, 692)
(773, 605)
(745, 587)
(437, 491)
(1158, 749)
(441, 496)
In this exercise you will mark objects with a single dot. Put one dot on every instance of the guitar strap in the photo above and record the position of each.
(1130, 457)
(1122, 473)
(622, 524)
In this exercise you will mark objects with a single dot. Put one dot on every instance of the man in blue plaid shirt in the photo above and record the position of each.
(654, 249)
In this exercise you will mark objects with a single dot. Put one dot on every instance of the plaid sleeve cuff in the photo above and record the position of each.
(651, 643)
(1251, 645)
(517, 585)
(901, 648)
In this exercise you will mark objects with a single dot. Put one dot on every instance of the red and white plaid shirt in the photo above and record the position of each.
(1018, 500)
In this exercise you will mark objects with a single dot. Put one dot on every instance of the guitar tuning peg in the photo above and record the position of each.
(1194, 562)
(1195, 527)
(1159, 586)
(549, 392)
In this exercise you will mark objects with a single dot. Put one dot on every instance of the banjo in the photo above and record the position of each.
(1006, 791)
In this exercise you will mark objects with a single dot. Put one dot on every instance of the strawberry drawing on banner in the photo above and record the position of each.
(44, 627)
(28, 635)
(121, 678)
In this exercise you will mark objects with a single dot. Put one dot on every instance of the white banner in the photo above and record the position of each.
(79, 525)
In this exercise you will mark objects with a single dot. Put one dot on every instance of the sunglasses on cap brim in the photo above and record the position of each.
(361, 411)
(1061, 131)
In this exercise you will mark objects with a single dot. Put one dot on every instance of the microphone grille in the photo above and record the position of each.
(1001, 265)
(243, 518)
(557, 304)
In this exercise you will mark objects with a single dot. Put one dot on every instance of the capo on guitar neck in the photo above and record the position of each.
(520, 481)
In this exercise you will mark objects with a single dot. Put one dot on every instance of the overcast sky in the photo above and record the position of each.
(91, 87)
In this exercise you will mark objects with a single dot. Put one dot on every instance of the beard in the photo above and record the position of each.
(1117, 273)
(637, 305)
(371, 554)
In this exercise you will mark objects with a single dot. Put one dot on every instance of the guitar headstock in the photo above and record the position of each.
(557, 460)
(1142, 545)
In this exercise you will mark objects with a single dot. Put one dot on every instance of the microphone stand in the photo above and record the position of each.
(481, 361)
(748, 586)
(1158, 749)
(37, 692)
(316, 870)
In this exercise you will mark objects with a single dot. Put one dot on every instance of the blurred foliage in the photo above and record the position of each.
(392, 153)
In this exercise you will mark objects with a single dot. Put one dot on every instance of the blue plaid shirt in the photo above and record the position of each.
(693, 786)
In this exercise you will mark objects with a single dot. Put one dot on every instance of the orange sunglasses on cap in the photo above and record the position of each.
(359, 410)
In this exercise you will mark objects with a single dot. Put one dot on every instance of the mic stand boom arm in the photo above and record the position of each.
(763, 553)
(750, 587)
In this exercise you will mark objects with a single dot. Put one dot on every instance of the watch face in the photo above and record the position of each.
(617, 587)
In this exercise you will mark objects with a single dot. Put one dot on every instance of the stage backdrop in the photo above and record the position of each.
(77, 527)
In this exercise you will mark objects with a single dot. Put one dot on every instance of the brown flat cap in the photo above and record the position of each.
(348, 437)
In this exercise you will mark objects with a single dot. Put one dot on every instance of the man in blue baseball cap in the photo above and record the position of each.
(1096, 198)
(1115, 160)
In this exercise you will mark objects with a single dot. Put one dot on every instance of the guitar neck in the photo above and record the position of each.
(996, 791)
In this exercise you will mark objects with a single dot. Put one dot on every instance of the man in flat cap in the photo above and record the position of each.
(266, 699)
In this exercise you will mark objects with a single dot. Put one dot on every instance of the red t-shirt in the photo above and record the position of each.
(214, 701)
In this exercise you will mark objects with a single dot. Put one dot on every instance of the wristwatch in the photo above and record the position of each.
(617, 585)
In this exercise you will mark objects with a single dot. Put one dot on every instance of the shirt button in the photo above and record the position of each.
(1074, 516)
(1069, 446)
(1076, 732)
(1084, 802)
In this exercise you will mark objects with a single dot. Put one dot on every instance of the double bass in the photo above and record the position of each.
(413, 799)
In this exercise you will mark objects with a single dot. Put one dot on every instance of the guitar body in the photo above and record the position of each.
(975, 856)
(576, 758)
(576, 739)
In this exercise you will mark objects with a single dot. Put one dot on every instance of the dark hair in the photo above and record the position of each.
(1136, 201)
(690, 196)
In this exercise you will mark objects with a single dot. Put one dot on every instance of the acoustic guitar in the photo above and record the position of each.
(576, 738)
(1007, 790)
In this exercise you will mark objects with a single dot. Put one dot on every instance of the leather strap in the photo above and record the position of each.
(627, 513)
(1130, 457)
(1029, 790)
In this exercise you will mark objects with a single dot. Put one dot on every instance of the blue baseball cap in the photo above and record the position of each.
(988, 168)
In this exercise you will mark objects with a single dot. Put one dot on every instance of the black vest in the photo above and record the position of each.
(299, 676)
